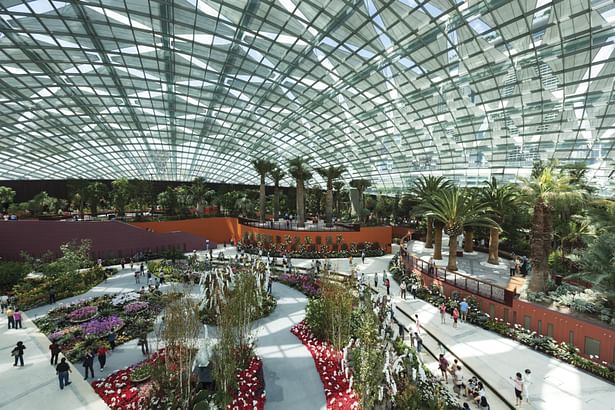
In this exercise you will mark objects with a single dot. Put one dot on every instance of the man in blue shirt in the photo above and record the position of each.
(463, 307)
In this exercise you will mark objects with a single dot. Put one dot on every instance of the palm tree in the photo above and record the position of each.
(297, 168)
(547, 191)
(338, 185)
(201, 195)
(500, 198)
(424, 189)
(330, 174)
(277, 175)
(456, 210)
(262, 167)
(361, 185)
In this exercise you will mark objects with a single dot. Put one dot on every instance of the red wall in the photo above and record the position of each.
(562, 323)
(223, 229)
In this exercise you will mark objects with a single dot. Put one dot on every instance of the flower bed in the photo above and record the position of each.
(83, 314)
(102, 327)
(135, 307)
(328, 364)
(303, 283)
(250, 388)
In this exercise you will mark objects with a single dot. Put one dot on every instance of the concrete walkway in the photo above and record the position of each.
(291, 379)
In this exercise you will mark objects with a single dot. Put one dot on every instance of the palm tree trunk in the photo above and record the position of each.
(452, 253)
(537, 248)
(261, 213)
(329, 208)
(468, 242)
(429, 236)
(276, 203)
(494, 245)
(437, 250)
(300, 204)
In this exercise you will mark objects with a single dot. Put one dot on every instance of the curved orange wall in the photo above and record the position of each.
(223, 229)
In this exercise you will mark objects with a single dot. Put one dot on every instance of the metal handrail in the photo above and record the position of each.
(464, 282)
(288, 226)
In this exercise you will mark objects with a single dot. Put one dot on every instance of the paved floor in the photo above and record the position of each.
(291, 379)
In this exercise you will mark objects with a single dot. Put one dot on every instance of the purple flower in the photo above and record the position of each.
(100, 327)
(83, 313)
(135, 307)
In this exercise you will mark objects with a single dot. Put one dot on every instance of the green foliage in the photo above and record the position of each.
(43, 204)
(597, 262)
(120, 195)
(6, 197)
(11, 273)
(201, 405)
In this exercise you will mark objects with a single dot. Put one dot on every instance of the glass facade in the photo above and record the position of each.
(160, 89)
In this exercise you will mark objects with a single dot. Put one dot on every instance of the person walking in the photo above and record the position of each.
(362, 256)
(413, 290)
(52, 295)
(132, 263)
(527, 382)
(455, 317)
(402, 289)
(419, 342)
(143, 343)
(102, 357)
(417, 324)
(142, 269)
(137, 277)
(55, 350)
(88, 364)
(442, 313)
(9, 315)
(161, 276)
(464, 307)
(458, 379)
(62, 370)
(17, 318)
(443, 366)
(17, 352)
(387, 284)
(4, 302)
(123, 263)
(111, 339)
(376, 280)
(518, 383)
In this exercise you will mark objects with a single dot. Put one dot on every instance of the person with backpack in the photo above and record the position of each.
(17, 353)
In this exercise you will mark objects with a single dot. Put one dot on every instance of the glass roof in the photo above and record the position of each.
(392, 89)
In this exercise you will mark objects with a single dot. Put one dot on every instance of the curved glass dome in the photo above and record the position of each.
(391, 89)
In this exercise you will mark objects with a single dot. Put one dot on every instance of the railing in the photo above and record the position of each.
(292, 226)
(458, 280)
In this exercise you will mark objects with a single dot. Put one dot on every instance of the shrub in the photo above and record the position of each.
(11, 273)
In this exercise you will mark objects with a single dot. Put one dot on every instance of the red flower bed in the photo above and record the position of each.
(119, 393)
(250, 388)
(328, 363)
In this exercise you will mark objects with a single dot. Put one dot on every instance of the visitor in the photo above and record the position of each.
(142, 269)
(413, 290)
(149, 276)
(9, 315)
(442, 313)
(111, 339)
(99, 262)
(458, 379)
(350, 260)
(517, 266)
(17, 352)
(376, 280)
(417, 323)
(142, 290)
(512, 265)
(62, 371)
(465, 406)
(401, 330)
(143, 343)
(123, 263)
(483, 404)
(477, 392)
(518, 383)
(432, 265)
(157, 283)
(102, 356)
(88, 364)
(150, 281)
(402, 290)
(387, 284)
(17, 319)
(362, 256)
(54, 348)
(455, 316)
(269, 285)
(4, 302)
(527, 382)
(137, 277)
(161, 278)
(443, 366)
(464, 307)
(418, 342)
(132, 263)
(52, 295)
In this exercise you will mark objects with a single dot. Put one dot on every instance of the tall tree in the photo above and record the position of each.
(500, 199)
(201, 194)
(424, 190)
(6, 197)
(338, 185)
(276, 175)
(361, 185)
(330, 175)
(262, 167)
(96, 194)
(168, 201)
(77, 192)
(298, 169)
(456, 210)
(120, 195)
(546, 191)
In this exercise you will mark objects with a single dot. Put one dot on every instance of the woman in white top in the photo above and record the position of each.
(527, 381)
(518, 383)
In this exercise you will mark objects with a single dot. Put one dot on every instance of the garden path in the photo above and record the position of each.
(291, 379)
